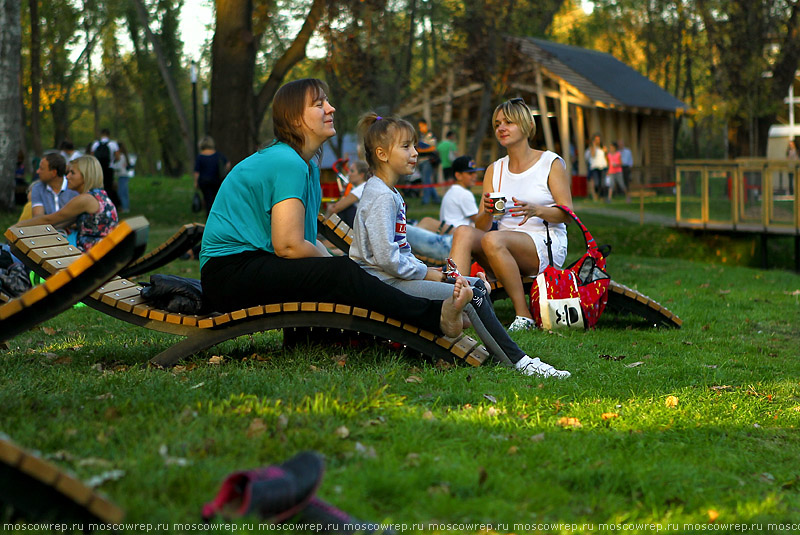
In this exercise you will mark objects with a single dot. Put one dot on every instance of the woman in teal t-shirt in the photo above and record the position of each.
(260, 241)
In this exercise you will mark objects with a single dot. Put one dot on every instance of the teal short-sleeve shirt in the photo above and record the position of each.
(241, 217)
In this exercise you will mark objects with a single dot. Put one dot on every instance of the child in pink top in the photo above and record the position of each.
(614, 175)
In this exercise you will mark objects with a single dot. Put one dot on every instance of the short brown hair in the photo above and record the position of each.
(56, 162)
(288, 107)
(377, 131)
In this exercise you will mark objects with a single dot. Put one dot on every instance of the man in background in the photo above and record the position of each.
(50, 193)
(447, 153)
(105, 149)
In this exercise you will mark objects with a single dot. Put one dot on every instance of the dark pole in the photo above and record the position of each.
(193, 74)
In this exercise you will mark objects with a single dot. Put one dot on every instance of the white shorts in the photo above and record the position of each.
(559, 245)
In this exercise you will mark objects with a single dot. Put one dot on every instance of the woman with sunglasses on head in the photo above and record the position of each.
(532, 181)
(260, 241)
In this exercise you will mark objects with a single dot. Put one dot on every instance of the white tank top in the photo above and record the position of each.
(529, 186)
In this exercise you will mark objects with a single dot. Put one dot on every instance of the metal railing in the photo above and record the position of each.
(746, 194)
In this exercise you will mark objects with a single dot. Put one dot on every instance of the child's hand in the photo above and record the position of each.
(434, 274)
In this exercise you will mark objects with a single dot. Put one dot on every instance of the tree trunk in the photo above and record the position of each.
(172, 89)
(10, 67)
(36, 77)
(233, 53)
(236, 111)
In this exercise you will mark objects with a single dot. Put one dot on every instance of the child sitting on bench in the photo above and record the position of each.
(381, 248)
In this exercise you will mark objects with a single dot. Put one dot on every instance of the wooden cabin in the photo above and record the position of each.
(575, 92)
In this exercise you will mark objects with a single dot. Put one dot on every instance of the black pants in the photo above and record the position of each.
(108, 185)
(259, 278)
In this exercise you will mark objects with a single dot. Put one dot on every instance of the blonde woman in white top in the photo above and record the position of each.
(532, 181)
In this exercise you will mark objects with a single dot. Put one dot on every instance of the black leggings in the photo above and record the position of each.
(260, 278)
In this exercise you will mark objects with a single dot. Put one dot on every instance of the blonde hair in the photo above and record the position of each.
(377, 131)
(517, 112)
(91, 170)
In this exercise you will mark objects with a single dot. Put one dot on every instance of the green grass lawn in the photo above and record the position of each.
(691, 429)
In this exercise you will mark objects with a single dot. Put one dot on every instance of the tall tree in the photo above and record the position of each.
(484, 51)
(36, 76)
(10, 69)
(237, 107)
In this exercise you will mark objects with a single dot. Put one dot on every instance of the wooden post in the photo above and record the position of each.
(580, 139)
(426, 106)
(548, 134)
(447, 116)
(462, 130)
(563, 127)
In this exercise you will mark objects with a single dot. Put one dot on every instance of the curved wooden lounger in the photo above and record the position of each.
(40, 491)
(621, 299)
(69, 285)
(340, 234)
(187, 237)
(121, 298)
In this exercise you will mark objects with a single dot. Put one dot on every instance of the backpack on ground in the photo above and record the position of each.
(103, 154)
(576, 295)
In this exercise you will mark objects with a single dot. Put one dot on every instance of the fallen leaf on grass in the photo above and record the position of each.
(712, 366)
(492, 412)
(365, 451)
(107, 395)
(512, 450)
(413, 379)
(283, 422)
(198, 385)
(49, 331)
(94, 461)
(569, 422)
(63, 360)
(634, 364)
(257, 427)
(412, 459)
(609, 357)
(178, 461)
(712, 515)
(671, 401)
(99, 479)
(340, 360)
(721, 387)
(342, 432)
(443, 365)
(442, 488)
(609, 415)
(724, 292)
(490, 398)
(428, 415)
(796, 292)
(216, 360)
(538, 437)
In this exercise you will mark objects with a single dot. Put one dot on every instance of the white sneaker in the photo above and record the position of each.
(521, 323)
(534, 366)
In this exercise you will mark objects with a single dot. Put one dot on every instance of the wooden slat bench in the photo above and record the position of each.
(187, 237)
(340, 235)
(621, 299)
(85, 273)
(38, 491)
(121, 298)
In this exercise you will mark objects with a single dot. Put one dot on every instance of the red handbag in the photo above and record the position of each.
(576, 295)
